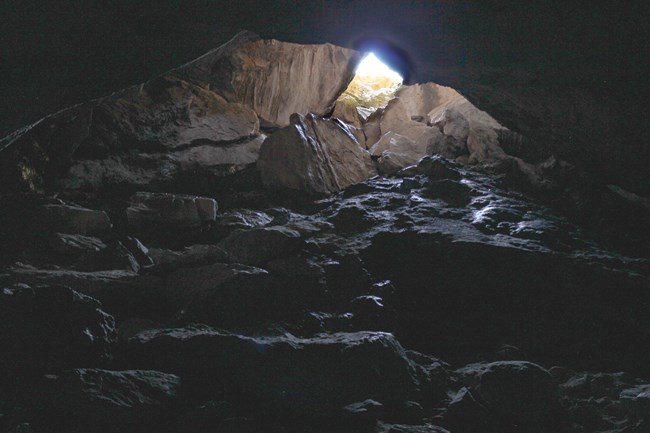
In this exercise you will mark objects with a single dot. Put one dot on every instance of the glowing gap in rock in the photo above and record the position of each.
(374, 84)
(371, 66)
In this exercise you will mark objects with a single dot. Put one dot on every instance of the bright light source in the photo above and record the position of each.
(371, 66)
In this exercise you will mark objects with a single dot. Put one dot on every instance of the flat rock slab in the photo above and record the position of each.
(172, 210)
(73, 219)
(309, 376)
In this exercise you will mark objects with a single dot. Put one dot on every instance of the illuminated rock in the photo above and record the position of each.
(314, 155)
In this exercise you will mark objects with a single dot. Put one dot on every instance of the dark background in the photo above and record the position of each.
(57, 53)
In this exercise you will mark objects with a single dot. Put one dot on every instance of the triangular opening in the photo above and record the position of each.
(374, 84)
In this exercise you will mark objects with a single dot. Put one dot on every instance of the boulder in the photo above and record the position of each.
(396, 118)
(347, 113)
(171, 210)
(75, 245)
(396, 151)
(98, 400)
(276, 79)
(72, 219)
(314, 155)
(314, 377)
(483, 144)
(259, 245)
(514, 392)
(50, 328)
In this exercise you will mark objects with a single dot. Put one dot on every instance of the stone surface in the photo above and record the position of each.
(514, 392)
(73, 219)
(260, 245)
(110, 401)
(274, 78)
(396, 151)
(45, 329)
(314, 155)
(172, 210)
(324, 373)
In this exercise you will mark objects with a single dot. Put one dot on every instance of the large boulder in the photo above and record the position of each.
(49, 328)
(314, 155)
(276, 79)
(396, 151)
(514, 392)
(304, 376)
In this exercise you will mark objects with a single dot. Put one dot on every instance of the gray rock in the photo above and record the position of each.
(172, 210)
(515, 392)
(314, 155)
(72, 219)
(75, 245)
(323, 373)
(111, 401)
(260, 245)
(48, 328)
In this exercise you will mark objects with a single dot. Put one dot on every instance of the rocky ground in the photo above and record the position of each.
(156, 280)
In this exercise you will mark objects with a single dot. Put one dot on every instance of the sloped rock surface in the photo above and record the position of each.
(47, 328)
(314, 155)
(111, 401)
(313, 376)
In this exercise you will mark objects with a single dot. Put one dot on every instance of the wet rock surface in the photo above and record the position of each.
(308, 294)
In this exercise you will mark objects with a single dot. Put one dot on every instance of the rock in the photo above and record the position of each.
(453, 192)
(111, 401)
(372, 128)
(637, 400)
(260, 245)
(50, 328)
(383, 427)
(465, 414)
(396, 152)
(201, 117)
(396, 119)
(75, 245)
(438, 168)
(190, 257)
(314, 155)
(314, 376)
(70, 219)
(122, 292)
(371, 314)
(347, 113)
(169, 210)
(483, 144)
(233, 219)
(276, 79)
(451, 123)
(514, 392)
(226, 295)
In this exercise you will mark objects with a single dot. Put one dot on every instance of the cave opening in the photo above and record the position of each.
(373, 85)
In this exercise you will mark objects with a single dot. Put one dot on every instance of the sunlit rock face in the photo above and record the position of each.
(203, 117)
